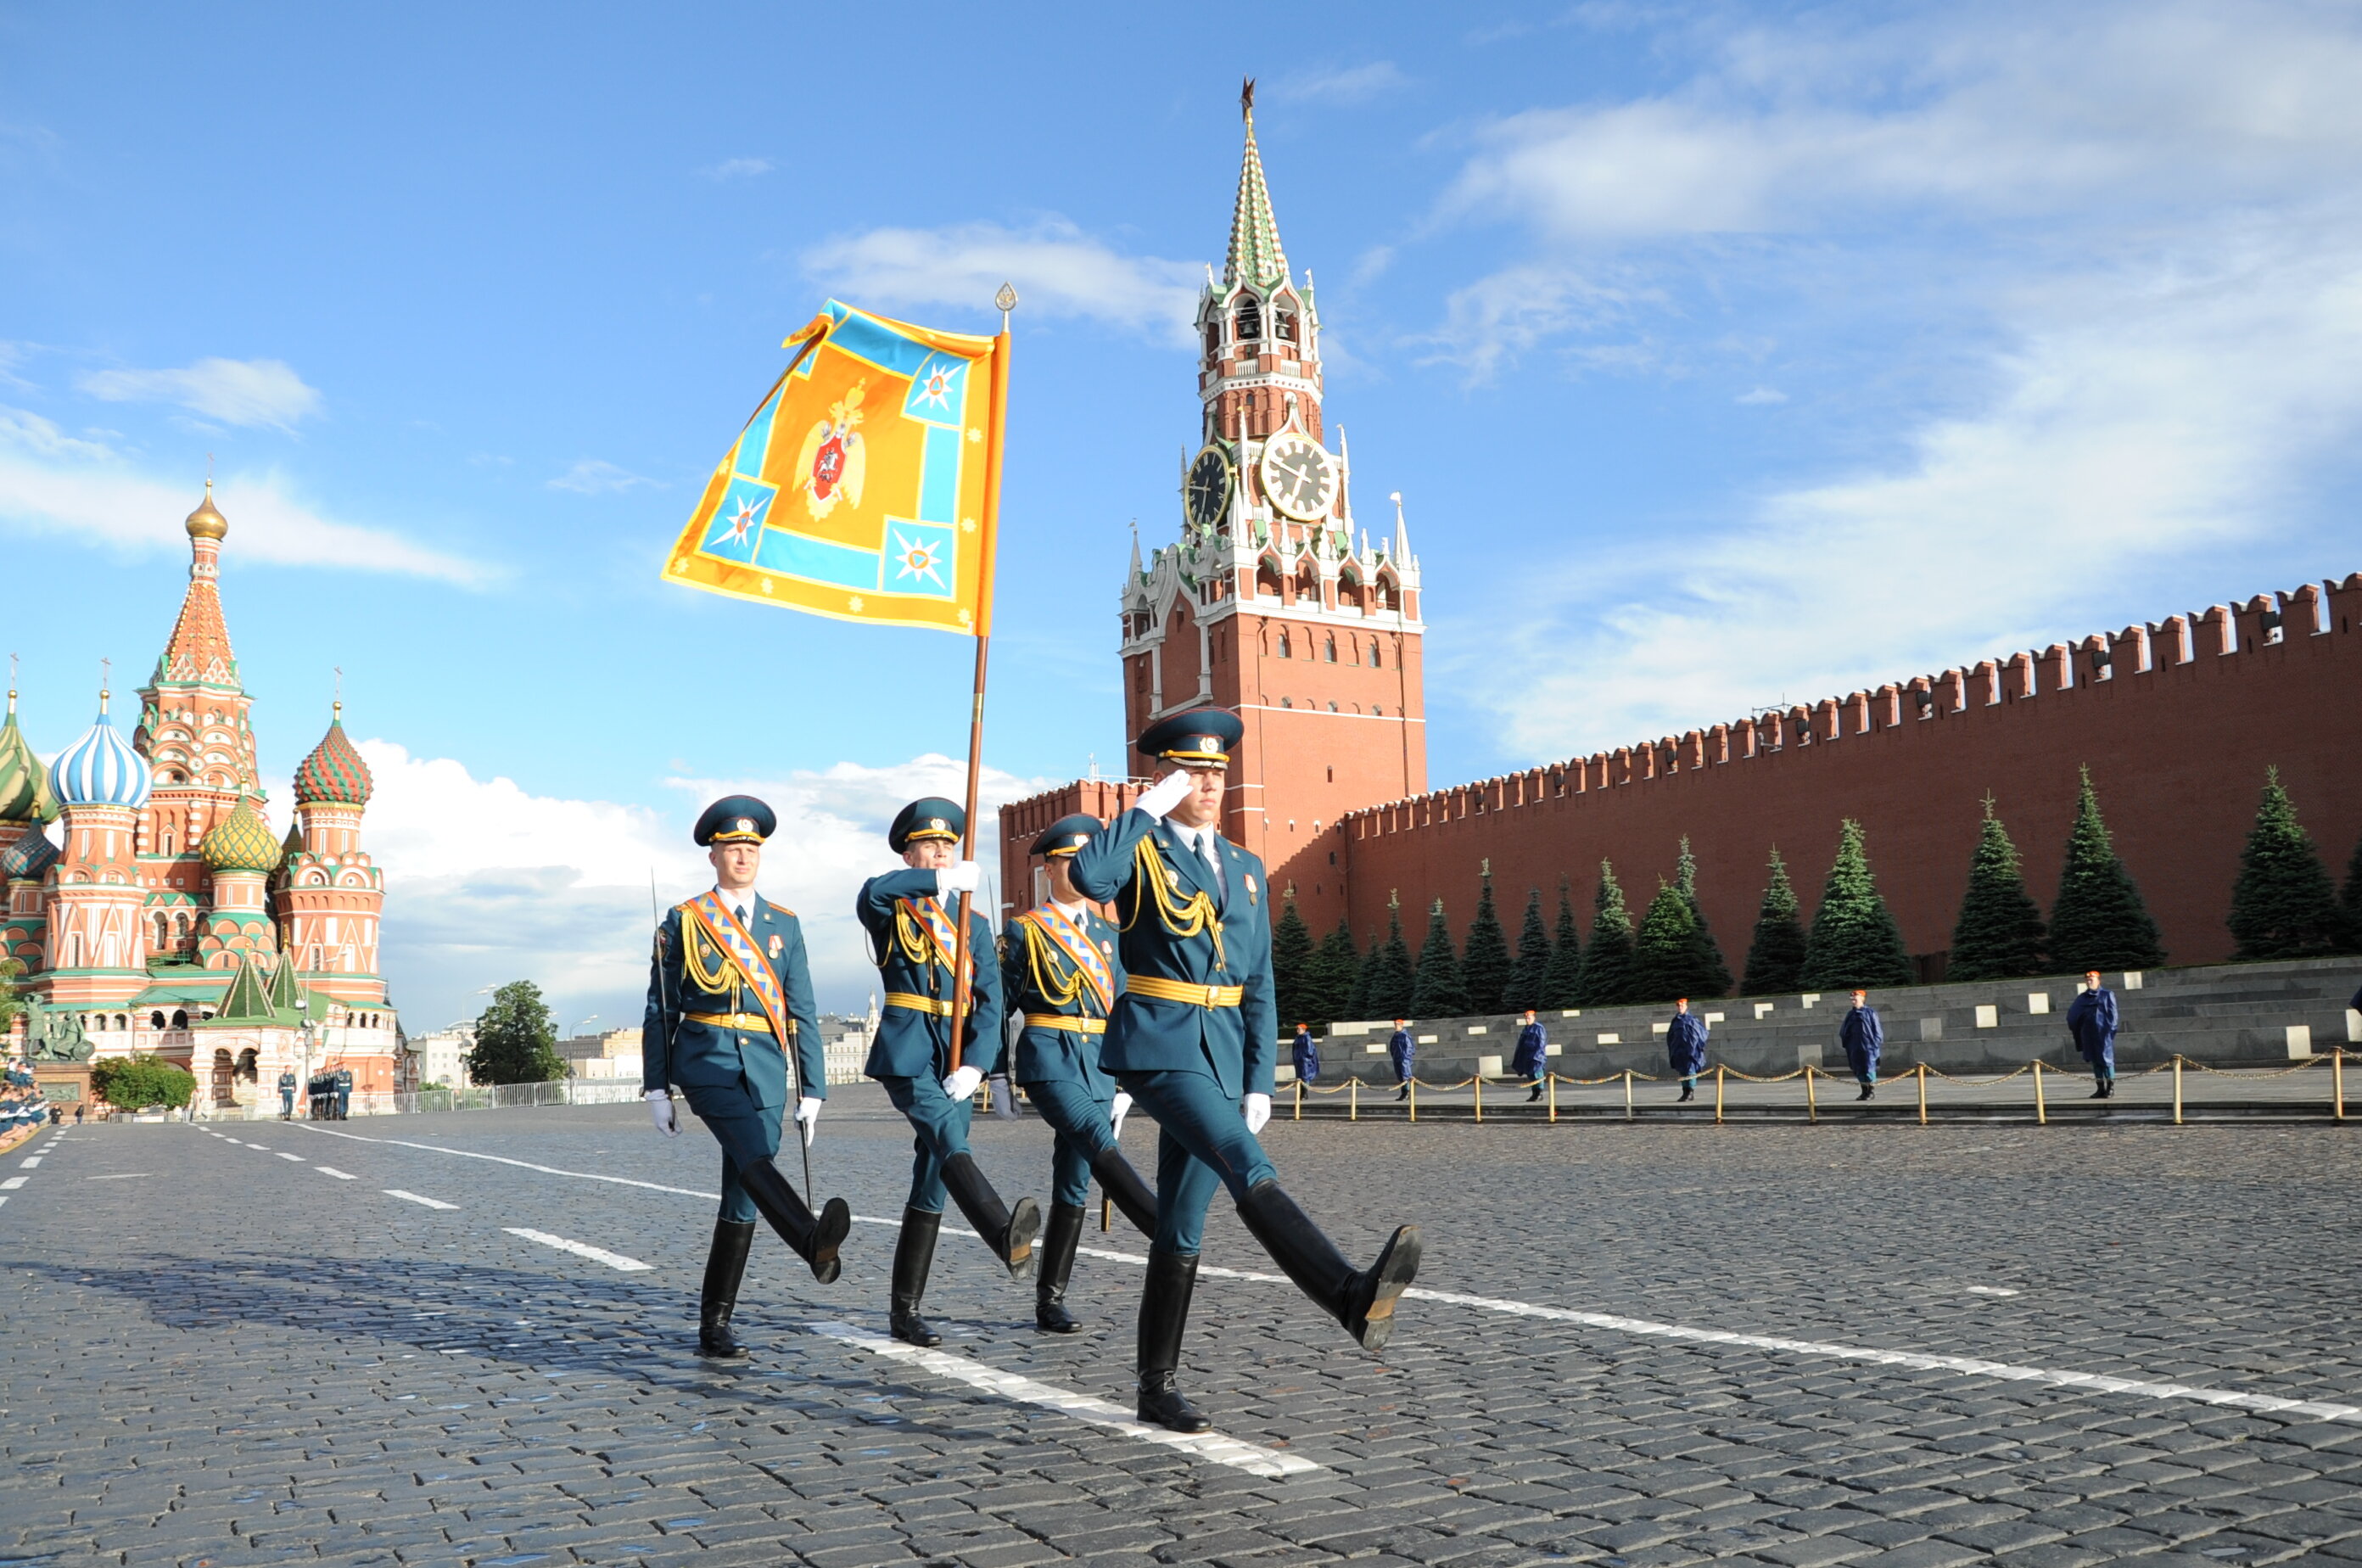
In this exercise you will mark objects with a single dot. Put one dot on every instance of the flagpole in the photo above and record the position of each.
(988, 527)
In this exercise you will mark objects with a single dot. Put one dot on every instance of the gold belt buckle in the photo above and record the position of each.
(1213, 996)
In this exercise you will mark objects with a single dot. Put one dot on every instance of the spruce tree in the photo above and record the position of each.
(1563, 978)
(1291, 968)
(1527, 978)
(1608, 956)
(1999, 933)
(1365, 981)
(1485, 964)
(1335, 968)
(2284, 905)
(1709, 975)
(1664, 954)
(1437, 988)
(1388, 969)
(1776, 957)
(2099, 920)
(2349, 901)
(1855, 940)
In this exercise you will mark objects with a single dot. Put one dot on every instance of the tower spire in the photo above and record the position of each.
(1255, 256)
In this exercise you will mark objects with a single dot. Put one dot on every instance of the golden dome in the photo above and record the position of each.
(206, 523)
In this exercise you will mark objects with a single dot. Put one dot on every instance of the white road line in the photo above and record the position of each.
(1210, 1446)
(297, 1158)
(331, 1170)
(414, 1198)
(13, 1183)
(1988, 1290)
(524, 1165)
(581, 1249)
(28, 1162)
(119, 1175)
(4, 1197)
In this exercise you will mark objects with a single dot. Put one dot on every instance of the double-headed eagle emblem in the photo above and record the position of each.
(833, 460)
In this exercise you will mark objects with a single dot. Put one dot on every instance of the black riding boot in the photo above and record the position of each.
(1867, 1090)
(1362, 1299)
(1009, 1233)
(725, 1265)
(1403, 1093)
(1163, 1314)
(814, 1240)
(1535, 1095)
(1123, 1186)
(1689, 1093)
(915, 1253)
(1058, 1243)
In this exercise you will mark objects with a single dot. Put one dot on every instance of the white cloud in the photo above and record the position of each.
(1755, 397)
(1058, 271)
(737, 168)
(52, 484)
(1342, 84)
(487, 883)
(236, 391)
(592, 477)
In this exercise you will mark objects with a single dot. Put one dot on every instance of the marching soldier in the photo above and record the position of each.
(912, 940)
(1060, 972)
(1192, 1041)
(287, 1095)
(729, 993)
(344, 1092)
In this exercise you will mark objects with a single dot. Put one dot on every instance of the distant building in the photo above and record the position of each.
(614, 1054)
(441, 1058)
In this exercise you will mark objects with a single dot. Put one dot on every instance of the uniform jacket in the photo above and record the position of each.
(700, 1055)
(1862, 1036)
(1305, 1056)
(2091, 1019)
(1686, 1043)
(1533, 1052)
(1058, 1055)
(911, 1045)
(1239, 1046)
(1403, 1052)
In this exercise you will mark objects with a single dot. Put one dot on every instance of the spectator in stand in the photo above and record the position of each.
(2092, 1023)
(1305, 1055)
(1862, 1036)
(1405, 1053)
(1686, 1047)
(1532, 1059)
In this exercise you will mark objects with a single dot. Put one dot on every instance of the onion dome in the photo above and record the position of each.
(29, 858)
(101, 768)
(24, 782)
(333, 775)
(242, 841)
(206, 523)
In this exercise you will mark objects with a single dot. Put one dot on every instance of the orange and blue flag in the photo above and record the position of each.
(864, 487)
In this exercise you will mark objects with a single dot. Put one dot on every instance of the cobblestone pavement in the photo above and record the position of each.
(1644, 1345)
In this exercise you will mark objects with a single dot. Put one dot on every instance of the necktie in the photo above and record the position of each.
(1213, 859)
(746, 917)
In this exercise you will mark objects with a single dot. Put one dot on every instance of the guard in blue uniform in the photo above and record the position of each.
(1686, 1047)
(1060, 973)
(1192, 1041)
(2091, 1019)
(287, 1095)
(1532, 1060)
(344, 1092)
(908, 916)
(1403, 1051)
(1305, 1055)
(729, 995)
(1863, 1037)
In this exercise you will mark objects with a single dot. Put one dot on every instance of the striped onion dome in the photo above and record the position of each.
(101, 768)
(242, 841)
(24, 782)
(333, 775)
(28, 857)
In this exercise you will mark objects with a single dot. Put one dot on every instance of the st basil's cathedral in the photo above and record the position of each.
(150, 908)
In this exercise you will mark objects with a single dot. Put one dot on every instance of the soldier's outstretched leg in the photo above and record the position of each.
(814, 1240)
(1163, 1314)
(1009, 1231)
(915, 1253)
(1123, 1186)
(941, 1163)
(1361, 1300)
(725, 1265)
(1059, 1240)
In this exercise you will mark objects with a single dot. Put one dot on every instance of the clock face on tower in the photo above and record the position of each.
(1300, 478)
(1206, 496)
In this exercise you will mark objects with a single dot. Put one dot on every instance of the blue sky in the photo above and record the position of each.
(1722, 353)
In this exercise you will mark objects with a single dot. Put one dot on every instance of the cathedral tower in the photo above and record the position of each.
(330, 893)
(96, 935)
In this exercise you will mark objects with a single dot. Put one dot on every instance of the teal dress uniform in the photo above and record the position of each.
(723, 988)
(1061, 974)
(911, 940)
(287, 1095)
(1195, 1030)
(344, 1088)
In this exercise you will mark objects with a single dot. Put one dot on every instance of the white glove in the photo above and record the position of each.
(1256, 1109)
(964, 877)
(1166, 793)
(1123, 1104)
(807, 1118)
(961, 1084)
(660, 1112)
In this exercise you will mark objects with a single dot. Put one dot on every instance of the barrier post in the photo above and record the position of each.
(2041, 1116)
(1107, 1208)
(1812, 1100)
(2177, 1088)
(1627, 1094)
(1718, 1094)
(1354, 1100)
(1414, 1099)
(1478, 1080)
(2337, 1085)
(1553, 1079)
(1923, 1093)
(1299, 1100)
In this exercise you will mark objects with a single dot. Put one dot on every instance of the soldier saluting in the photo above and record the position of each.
(915, 943)
(1192, 1040)
(1060, 971)
(729, 993)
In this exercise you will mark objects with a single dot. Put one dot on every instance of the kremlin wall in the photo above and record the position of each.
(1276, 604)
